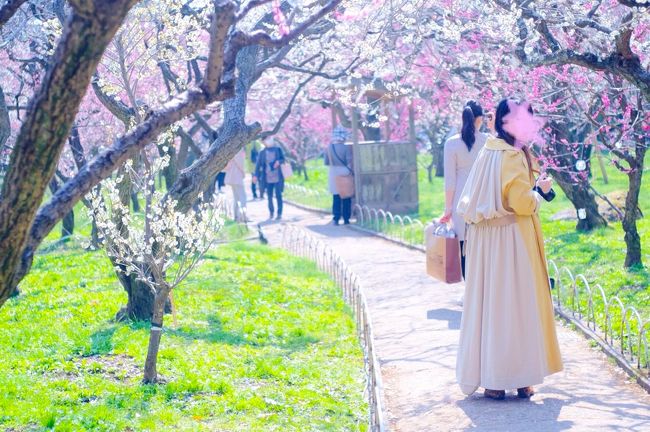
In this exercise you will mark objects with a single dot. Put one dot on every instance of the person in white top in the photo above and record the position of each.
(235, 174)
(460, 152)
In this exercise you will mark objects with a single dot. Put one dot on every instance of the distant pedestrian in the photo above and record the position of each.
(221, 181)
(460, 152)
(235, 173)
(269, 174)
(254, 154)
(507, 335)
(338, 158)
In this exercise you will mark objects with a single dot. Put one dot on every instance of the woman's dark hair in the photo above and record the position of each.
(468, 132)
(502, 110)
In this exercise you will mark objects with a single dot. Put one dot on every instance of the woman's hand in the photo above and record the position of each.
(254, 179)
(544, 182)
(276, 164)
(446, 217)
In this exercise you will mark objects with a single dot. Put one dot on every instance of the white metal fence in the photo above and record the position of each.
(298, 242)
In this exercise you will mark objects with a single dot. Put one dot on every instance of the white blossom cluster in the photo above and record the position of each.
(161, 244)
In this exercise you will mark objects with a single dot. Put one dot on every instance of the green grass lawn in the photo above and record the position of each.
(599, 255)
(264, 342)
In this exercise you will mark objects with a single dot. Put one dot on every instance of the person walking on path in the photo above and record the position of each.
(507, 337)
(254, 153)
(460, 152)
(235, 173)
(268, 173)
(338, 158)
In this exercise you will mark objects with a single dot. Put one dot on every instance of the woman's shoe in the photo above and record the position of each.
(495, 394)
(525, 392)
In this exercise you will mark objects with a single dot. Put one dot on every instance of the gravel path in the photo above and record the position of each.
(416, 323)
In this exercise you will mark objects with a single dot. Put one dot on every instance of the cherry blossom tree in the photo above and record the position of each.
(159, 246)
(233, 45)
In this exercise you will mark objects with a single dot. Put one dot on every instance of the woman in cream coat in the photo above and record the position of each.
(507, 336)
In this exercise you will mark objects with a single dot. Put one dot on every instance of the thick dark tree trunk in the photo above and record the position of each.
(87, 32)
(582, 198)
(573, 182)
(633, 257)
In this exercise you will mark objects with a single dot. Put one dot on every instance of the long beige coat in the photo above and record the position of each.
(507, 336)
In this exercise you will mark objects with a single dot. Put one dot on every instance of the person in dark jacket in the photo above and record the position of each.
(338, 158)
(254, 154)
(268, 173)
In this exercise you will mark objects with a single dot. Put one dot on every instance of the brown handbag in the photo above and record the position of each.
(443, 254)
(344, 185)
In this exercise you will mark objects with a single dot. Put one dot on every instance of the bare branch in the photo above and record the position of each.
(287, 110)
(118, 108)
(252, 4)
(9, 9)
(318, 72)
(223, 18)
(261, 38)
(634, 3)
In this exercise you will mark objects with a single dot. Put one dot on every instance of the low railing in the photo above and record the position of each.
(310, 199)
(405, 230)
(298, 242)
(620, 329)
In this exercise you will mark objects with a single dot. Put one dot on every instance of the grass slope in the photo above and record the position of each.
(264, 343)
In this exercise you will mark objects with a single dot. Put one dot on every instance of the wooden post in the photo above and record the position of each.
(384, 105)
(356, 157)
(413, 140)
(411, 122)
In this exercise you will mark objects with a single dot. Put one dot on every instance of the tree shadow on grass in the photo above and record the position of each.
(101, 342)
(215, 333)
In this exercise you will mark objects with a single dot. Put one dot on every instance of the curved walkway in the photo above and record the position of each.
(416, 323)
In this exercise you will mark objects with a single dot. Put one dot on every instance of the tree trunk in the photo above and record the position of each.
(170, 172)
(134, 201)
(430, 170)
(304, 173)
(575, 183)
(150, 370)
(67, 226)
(582, 198)
(88, 30)
(439, 157)
(632, 238)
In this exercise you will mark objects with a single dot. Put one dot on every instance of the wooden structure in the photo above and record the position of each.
(386, 175)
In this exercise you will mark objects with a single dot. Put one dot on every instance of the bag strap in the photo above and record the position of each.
(332, 149)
